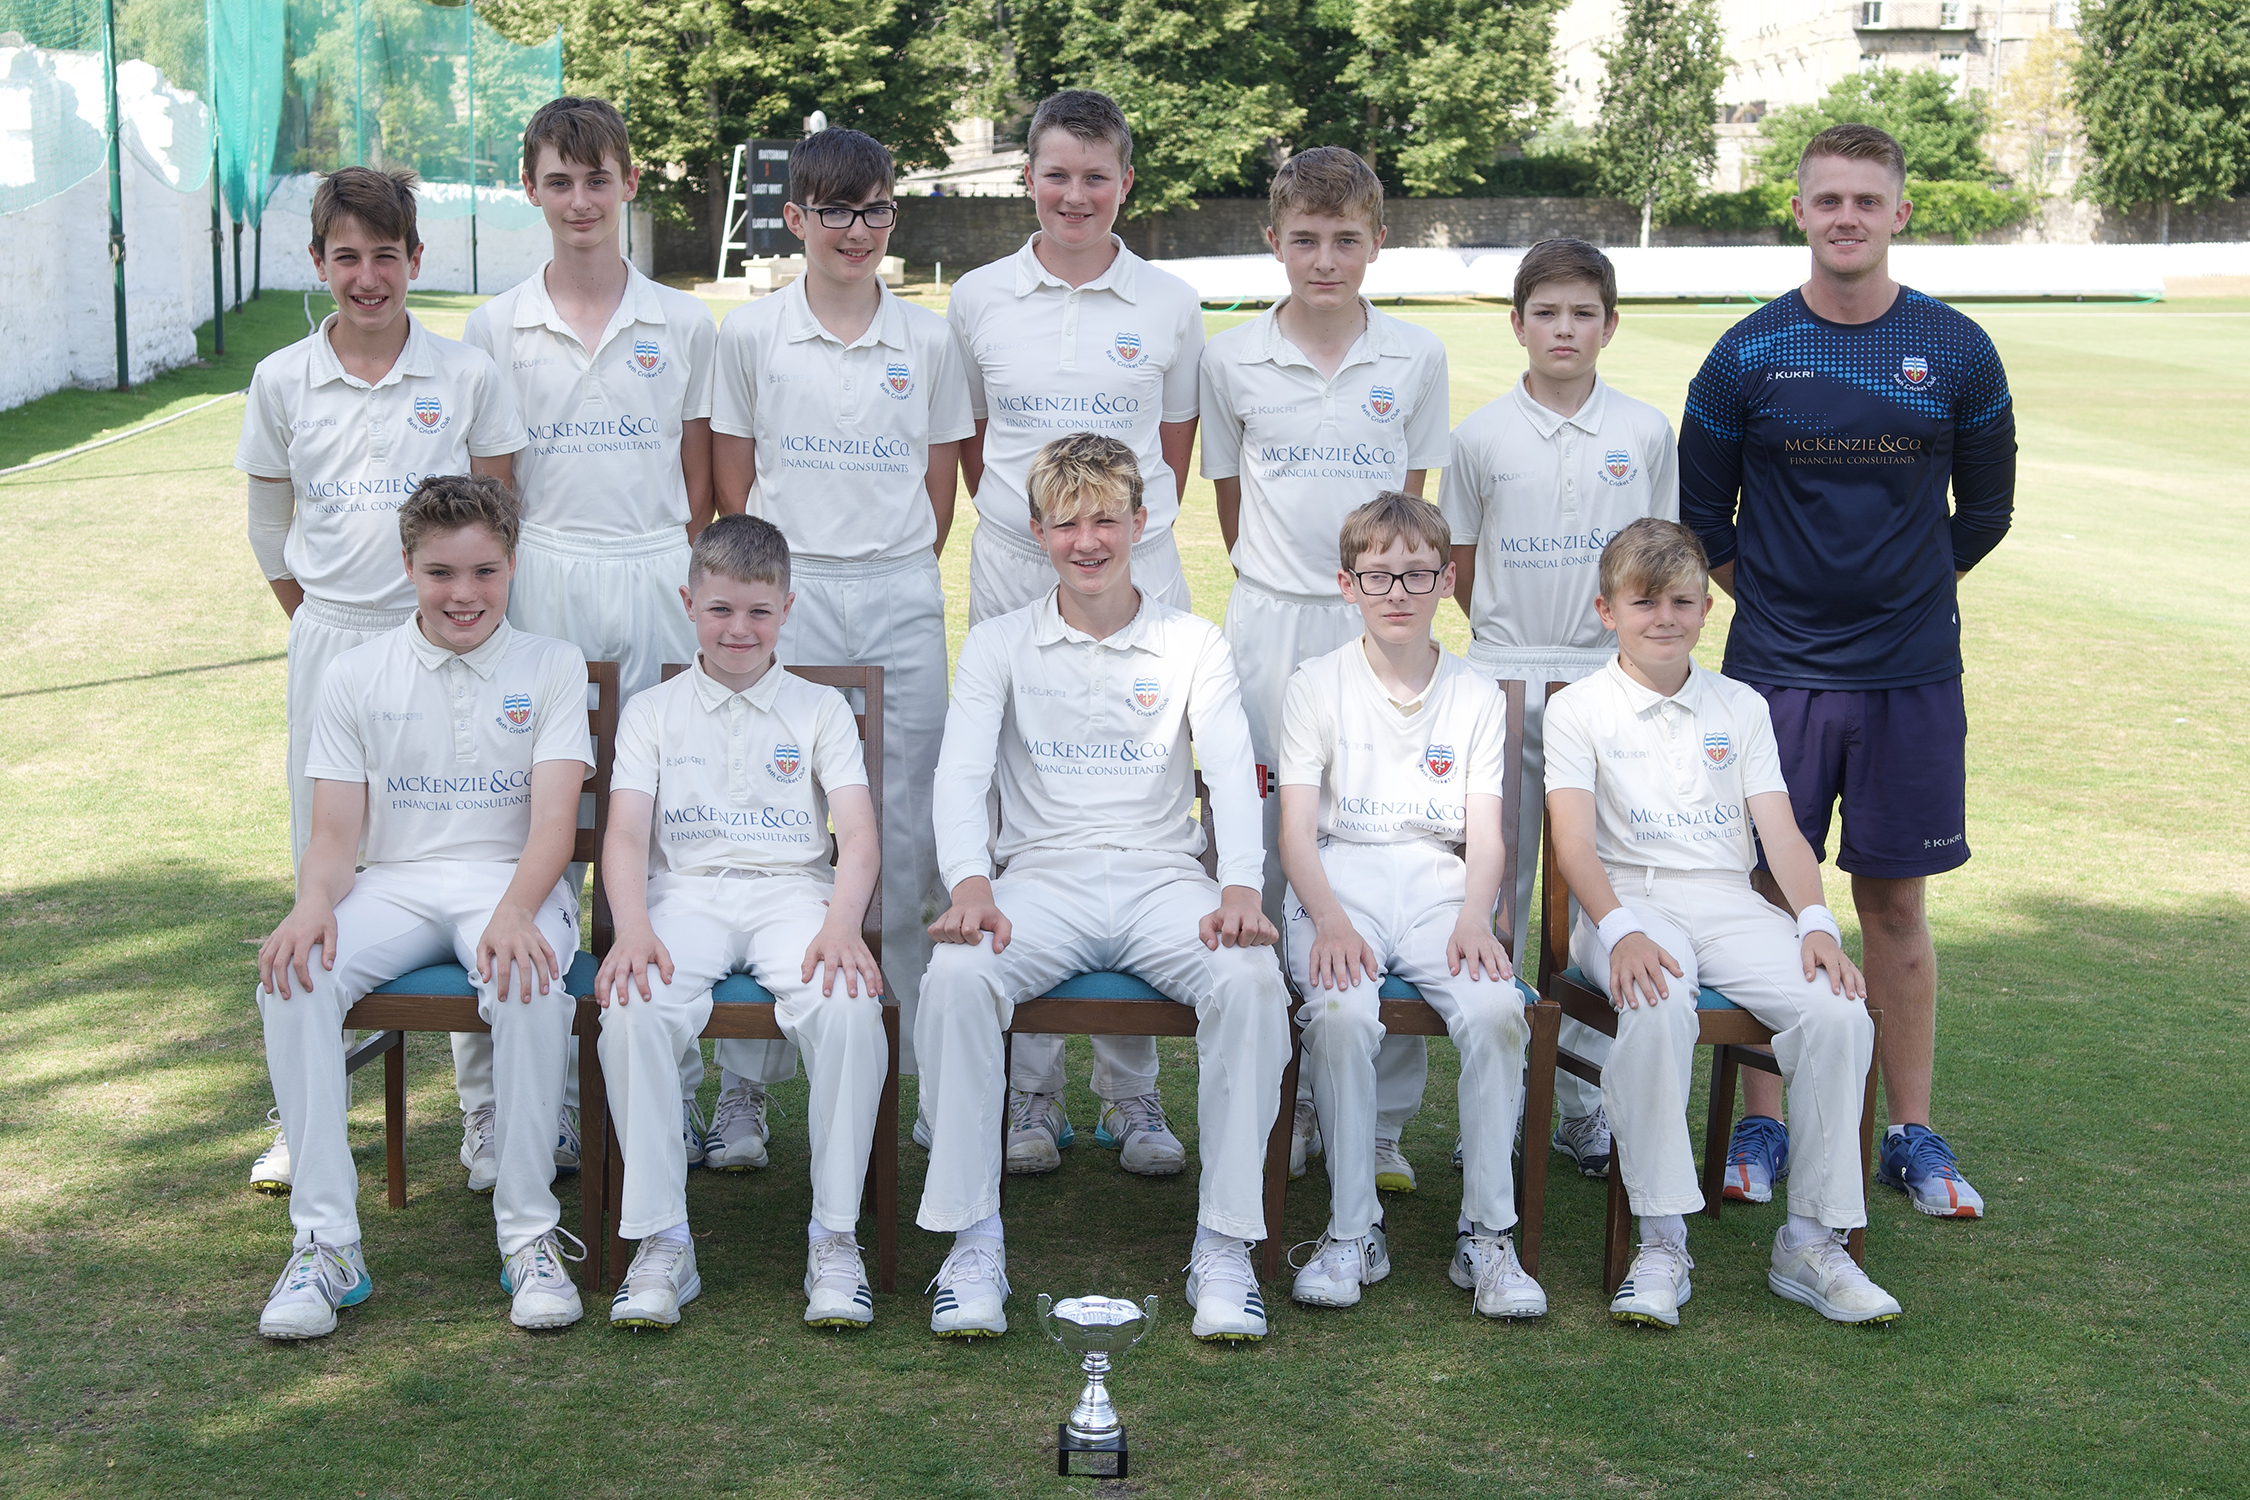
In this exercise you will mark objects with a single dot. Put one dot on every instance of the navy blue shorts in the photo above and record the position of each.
(1897, 758)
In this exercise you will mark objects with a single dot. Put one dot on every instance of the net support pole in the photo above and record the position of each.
(116, 186)
(258, 257)
(470, 12)
(218, 283)
(238, 265)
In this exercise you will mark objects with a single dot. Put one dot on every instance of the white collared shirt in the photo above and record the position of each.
(603, 427)
(1310, 449)
(741, 780)
(445, 741)
(843, 431)
(1672, 777)
(1386, 776)
(1090, 742)
(1539, 495)
(354, 452)
(1046, 359)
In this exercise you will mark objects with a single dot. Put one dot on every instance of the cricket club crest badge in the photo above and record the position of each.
(898, 381)
(1617, 467)
(648, 359)
(1381, 403)
(1913, 371)
(1147, 695)
(429, 415)
(1718, 749)
(788, 764)
(1437, 762)
(515, 709)
(1125, 350)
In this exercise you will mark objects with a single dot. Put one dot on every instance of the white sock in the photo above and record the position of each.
(1799, 1232)
(987, 1227)
(1205, 1234)
(729, 1081)
(815, 1230)
(1464, 1225)
(1895, 1130)
(1663, 1229)
(678, 1232)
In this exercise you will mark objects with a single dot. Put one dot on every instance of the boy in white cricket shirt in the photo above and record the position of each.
(339, 428)
(1658, 772)
(448, 756)
(728, 775)
(1080, 707)
(612, 372)
(838, 415)
(1076, 333)
(1539, 482)
(1390, 827)
(1311, 409)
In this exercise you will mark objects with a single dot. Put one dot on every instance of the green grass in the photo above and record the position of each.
(2087, 1339)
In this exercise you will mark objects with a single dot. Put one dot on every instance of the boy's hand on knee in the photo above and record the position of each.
(1636, 972)
(290, 946)
(845, 953)
(511, 950)
(635, 953)
(1844, 978)
(1340, 956)
(1240, 922)
(1475, 945)
(972, 914)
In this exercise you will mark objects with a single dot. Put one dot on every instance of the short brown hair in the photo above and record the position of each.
(1650, 556)
(445, 503)
(584, 130)
(1565, 260)
(382, 202)
(747, 549)
(1856, 143)
(1083, 471)
(1394, 516)
(839, 166)
(1331, 180)
(1087, 114)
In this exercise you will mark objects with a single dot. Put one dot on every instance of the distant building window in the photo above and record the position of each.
(1870, 14)
(1949, 14)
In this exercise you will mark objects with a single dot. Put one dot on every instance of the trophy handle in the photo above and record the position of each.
(1148, 1309)
(1046, 1324)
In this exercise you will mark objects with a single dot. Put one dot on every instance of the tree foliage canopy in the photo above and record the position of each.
(2163, 90)
(1941, 134)
(1656, 140)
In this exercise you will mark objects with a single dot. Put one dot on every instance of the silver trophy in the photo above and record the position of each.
(1092, 1442)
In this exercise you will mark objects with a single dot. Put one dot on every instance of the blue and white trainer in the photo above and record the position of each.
(318, 1280)
(1757, 1158)
(566, 1143)
(836, 1291)
(738, 1134)
(1140, 1135)
(1655, 1287)
(1222, 1287)
(972, 1290)
(270, 1173)
(1038, 1132)
(1918, 1162)
(661, 1280)
(536, 1279)
(1585, 1140)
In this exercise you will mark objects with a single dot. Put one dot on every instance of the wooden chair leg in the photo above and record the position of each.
(1539, 1105)
(882, 1164)
(1617, 1229)
(394, 1121)
(1718, 1126)
(1856, 1241)
(593, 1196)
(1007, 1081)
(613, 1206)
(1277, 1159)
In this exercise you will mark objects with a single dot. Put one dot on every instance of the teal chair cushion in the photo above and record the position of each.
(1104, 984)
(452, 979)
(740, 989)
(1705, 999)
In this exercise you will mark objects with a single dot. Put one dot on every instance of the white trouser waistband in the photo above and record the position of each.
(1021, 542)
(1309, 601)
(872, 567)
(603, 548)
(352, 616)
(1539, 663)
(1644, 878)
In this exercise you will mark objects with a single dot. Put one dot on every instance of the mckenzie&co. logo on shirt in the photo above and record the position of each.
(1099, 757)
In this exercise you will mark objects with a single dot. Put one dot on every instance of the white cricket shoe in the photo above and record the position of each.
(836, 1291)
(1222, 1287)
(1486, 1264)
(1037, 1132)
(1822, 1275)
(1137, 1127)
(737, 1140)
(660, 1281)
(1655, 1287)
(269, 1174)
(1304, 1138)
(1339, 1268)
(1585, 1140)
(972, 1290)
(694, 1134)
(480, 1149)
(545, 1296)
(318, 1279)
(1393, 1172)
(566, 1142)
(923, 1134)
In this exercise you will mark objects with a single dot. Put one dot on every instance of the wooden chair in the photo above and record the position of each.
(441, 998)
(742, 1007)
(1733, 1035)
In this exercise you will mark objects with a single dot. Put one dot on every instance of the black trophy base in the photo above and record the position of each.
(1096, 1458)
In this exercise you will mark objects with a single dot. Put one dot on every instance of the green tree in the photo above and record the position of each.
(2163, 88)
(1941, 134)
(1444, 84)
(1655, 140)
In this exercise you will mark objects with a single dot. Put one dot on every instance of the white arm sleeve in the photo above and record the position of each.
(273, 507)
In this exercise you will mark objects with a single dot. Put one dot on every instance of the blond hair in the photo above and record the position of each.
(1327, 180)
(1394, 516)
(1856, 143)
(1651, 556)
(1083, 472)
(747, 549)
(445, 503)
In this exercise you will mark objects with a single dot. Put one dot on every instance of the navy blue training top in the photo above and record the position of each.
(1840, 439)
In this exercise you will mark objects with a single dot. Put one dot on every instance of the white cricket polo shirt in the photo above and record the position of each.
(1309, 450)
(603, 428)
(1091, 740)
(1540, 494)
(843, 431)
(741, 780)
(1386, 776)
(1046, 359)
(1672, 778)
(353, 452)
(445, 742)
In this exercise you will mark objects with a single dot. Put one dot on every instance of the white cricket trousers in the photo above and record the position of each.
(1073, 912)
(1573, 1095)
(1403, 900)
(1272, 634)
(319, 632)
(395, 919)
(1007, 571)
(1727, 936)
(889, 614)
(713, 926)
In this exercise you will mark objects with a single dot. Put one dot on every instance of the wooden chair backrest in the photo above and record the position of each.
(1554, 916)
(601, 722)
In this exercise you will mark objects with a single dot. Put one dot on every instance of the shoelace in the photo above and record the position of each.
(656, 1260)
(738, 1107)
(1223, 1260)
(691, 1120)
(273, 1118)
(966, 1263)
(478, 1122)
(1928, 1153)
(1587, 1130)
(546, 1255)
(1143, 1113)
(1388, 1146)
(837, 1255)
(1756, 1140)
(1027, 1111)
(1495, 1259)
(1672, 1258)
(323, 1265)
(566, 1129)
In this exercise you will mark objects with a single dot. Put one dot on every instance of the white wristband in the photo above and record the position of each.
(1619, 924)
(1817, 918)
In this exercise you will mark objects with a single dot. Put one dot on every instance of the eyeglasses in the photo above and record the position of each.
(877, 215)
(1417, 581)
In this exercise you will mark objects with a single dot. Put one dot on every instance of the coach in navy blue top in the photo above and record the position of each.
(1840, 414)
